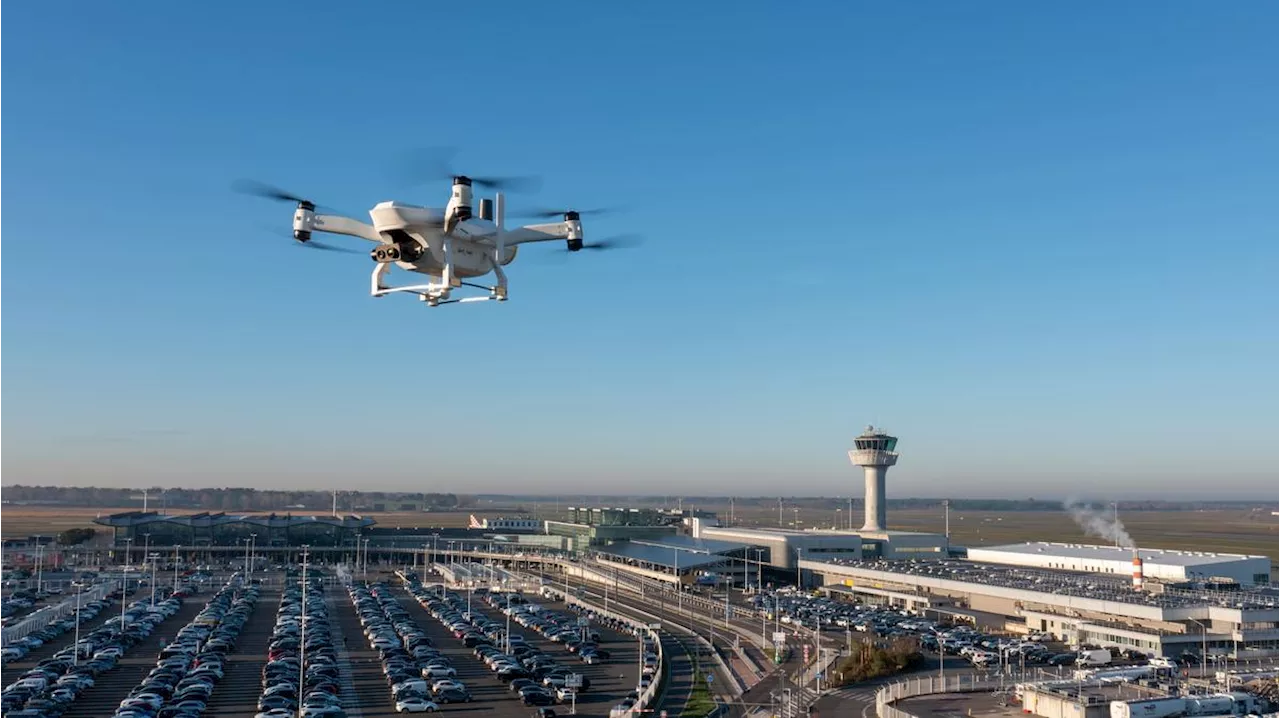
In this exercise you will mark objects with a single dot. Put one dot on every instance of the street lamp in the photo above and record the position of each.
(75, 656)
(302, 640)
(1204, 646)
(124, 586)
(153, 558)
(175, 568)
(39, 566)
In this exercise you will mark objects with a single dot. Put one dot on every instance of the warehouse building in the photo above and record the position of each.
(1166, 565)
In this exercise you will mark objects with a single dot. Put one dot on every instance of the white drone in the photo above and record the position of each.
(448, 245)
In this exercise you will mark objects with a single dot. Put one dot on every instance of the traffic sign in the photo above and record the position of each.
(711, 677)
(573, 680)
(780, 637)
(583, 622)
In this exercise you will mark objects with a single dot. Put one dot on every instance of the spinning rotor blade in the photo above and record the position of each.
(327, 247)
(260, 189)
(433, 164)
(553, 213)
(621, 241)
(312, 244)
(509, 184)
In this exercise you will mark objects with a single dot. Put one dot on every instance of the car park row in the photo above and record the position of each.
(189, 666)
(301, 647)
(406, 653)
(55, 683)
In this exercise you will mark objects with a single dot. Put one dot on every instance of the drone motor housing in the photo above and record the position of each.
(303, 221)
(573, 231)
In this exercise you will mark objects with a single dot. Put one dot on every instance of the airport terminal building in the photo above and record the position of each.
(222, 530)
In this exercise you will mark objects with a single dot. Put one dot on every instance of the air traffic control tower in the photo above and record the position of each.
(874, 452)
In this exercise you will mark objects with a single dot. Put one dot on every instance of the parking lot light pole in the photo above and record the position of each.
(302, 641)
(124, 589)
(75, 656)
(175, 568)
(1204, 646)
(39, 569)
(153, 558)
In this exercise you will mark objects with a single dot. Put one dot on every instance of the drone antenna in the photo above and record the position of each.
(499, 215)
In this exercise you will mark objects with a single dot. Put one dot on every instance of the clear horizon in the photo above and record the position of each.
(1036, 242)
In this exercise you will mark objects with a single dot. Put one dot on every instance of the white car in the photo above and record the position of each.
(446, 684)
(416, 705)
(438, 672)
(564, 695)
(415, 684)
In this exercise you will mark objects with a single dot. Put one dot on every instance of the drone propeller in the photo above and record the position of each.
(260, 189)
(620, 241)
(433, 163)
(552, 213)
(327, 247)
(311, 244)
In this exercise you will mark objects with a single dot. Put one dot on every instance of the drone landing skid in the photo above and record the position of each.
(440, 292)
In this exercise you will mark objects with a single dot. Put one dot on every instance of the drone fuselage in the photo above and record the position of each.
(471, 245)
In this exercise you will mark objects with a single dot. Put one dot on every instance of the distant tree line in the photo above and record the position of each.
(232, 499)
(71, 537)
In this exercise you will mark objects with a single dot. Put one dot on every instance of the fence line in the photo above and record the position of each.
(43, 617)
(886, 696)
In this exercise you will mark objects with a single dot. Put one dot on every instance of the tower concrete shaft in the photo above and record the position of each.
(875, 454)
(875, 517)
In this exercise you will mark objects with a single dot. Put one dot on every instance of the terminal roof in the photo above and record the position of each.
(665, 556)
(687, 543)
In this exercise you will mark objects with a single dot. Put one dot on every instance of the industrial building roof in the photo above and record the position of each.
(1060, 583)
(685, 543)
(670, 557)
(1112, 553)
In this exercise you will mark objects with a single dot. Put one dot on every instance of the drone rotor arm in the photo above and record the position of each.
(336, 224)
(535, 233)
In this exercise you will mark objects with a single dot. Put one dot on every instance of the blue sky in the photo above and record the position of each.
(1036, 241)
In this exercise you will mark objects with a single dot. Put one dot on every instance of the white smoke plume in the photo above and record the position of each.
(1098, 523)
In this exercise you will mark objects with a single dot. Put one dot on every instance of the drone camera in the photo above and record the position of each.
(573, 244)
(403, 248)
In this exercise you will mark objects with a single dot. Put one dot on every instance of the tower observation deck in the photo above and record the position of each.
(874, 452)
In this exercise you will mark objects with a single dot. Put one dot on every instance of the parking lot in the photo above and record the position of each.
(610, 681)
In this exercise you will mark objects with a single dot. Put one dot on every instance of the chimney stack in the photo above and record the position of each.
(1137, 570)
